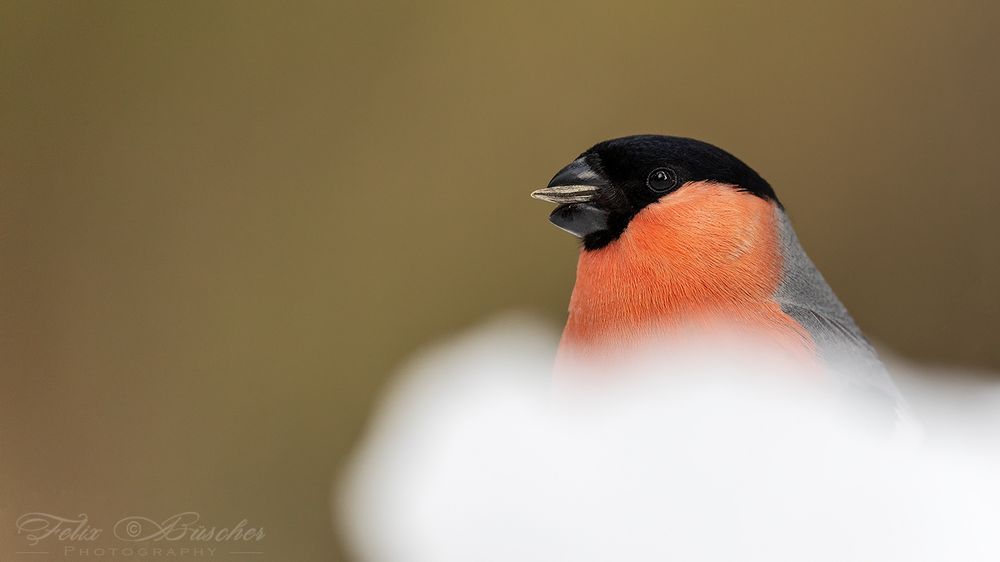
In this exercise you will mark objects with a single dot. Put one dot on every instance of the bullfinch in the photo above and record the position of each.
(675, 231)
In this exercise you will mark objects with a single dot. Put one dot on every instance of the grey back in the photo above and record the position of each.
(805, 296)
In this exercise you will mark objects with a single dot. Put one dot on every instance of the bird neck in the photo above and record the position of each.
(706, 251)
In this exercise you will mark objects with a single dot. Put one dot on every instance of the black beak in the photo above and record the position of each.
(577, 188)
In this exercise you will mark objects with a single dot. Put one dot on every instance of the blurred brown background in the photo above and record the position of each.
(223, 224)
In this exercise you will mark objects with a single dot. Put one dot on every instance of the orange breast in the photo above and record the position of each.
(704, 254)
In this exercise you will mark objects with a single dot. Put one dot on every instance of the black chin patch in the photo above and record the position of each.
(580, 219)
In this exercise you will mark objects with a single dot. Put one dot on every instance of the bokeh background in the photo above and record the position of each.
(224, 224)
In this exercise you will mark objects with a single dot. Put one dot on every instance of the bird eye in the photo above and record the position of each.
(662, 179)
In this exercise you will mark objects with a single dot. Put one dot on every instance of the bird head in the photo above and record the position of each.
(600, 191)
